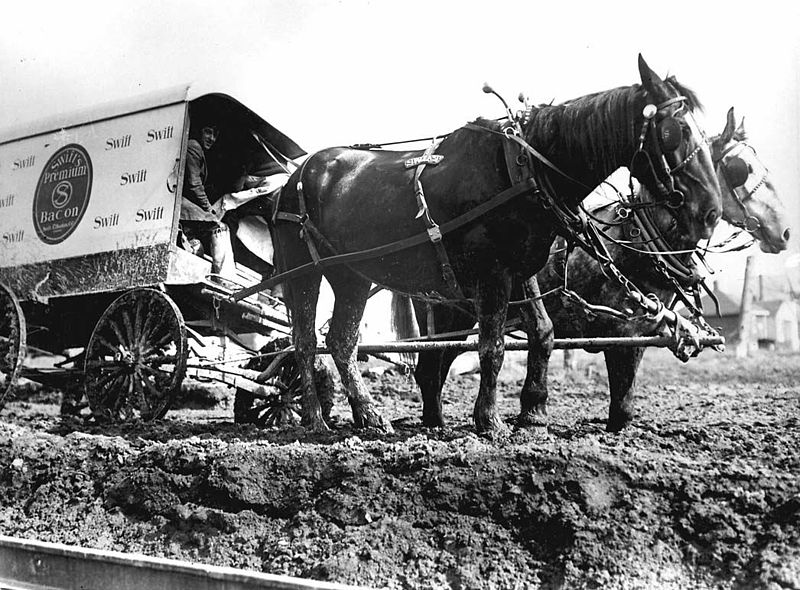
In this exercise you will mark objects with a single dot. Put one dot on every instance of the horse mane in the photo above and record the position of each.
(691, 96)
(492, 124)
(598, 125)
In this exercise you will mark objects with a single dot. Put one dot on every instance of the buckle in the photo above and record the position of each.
(435, 234)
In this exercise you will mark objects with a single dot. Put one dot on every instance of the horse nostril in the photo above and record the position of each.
(712, 217)
(786, 233)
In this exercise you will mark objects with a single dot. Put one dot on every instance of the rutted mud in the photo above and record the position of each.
(703, 491)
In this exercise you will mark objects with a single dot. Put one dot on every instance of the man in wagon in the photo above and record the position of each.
(201, 208)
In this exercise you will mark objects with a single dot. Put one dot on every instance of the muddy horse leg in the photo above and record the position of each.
(491, 304)
(533, 397)
(301, 297)
(621, 364)
(342, 339)
(431, 374)
(433, 365)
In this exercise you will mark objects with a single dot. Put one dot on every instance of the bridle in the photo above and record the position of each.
(663, 129)
(665, 132)
(736, 172)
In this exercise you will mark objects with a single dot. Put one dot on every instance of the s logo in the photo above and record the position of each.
(62, 194)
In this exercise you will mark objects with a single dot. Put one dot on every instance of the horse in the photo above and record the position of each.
(749, 202)
(487, 216)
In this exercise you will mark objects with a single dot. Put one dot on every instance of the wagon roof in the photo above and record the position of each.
(223, 105)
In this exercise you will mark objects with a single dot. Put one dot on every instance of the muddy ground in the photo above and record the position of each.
(703, 491)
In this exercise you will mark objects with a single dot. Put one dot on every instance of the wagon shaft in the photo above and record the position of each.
(561, 343)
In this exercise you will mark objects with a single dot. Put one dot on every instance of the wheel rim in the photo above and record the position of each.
(136, 357)
(12, 341)
(284, 406)
(279, 401)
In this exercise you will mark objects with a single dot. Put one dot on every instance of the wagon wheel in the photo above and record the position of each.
(279, 402)
(12, 341)
(136, 357)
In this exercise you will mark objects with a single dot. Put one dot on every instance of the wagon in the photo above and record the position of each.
(91, 268)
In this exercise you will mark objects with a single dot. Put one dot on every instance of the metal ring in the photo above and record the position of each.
(676, 199)
(635, 232)
(623, 212)
(522, 160)
(751, 227)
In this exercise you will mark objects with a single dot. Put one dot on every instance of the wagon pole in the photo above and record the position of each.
(559, 343)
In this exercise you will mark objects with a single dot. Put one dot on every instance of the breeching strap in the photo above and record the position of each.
(501, 198)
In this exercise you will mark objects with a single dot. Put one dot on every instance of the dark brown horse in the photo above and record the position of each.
(749, 202)
(357, 211)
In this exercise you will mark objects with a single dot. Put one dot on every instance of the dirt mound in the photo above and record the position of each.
(701, 492)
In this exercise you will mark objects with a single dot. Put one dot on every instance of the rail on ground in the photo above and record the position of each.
(33, 565)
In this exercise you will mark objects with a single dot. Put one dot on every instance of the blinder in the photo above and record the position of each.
(670, 134)
(736, 171)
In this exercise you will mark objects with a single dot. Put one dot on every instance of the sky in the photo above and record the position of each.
(331, 72)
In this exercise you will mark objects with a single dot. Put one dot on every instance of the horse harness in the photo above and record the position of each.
(522, 174)
(736, 172)
(311, 234)
(418, 164)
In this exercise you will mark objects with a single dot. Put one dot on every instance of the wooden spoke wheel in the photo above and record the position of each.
(279, 402)
(136, 357)
(12, 341)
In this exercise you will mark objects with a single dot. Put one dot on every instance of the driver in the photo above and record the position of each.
(201, 208)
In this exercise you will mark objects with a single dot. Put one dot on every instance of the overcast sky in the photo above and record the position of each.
(334, 73)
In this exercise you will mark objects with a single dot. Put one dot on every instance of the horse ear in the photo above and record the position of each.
(740, 132)
(651, 81)
(730, 128)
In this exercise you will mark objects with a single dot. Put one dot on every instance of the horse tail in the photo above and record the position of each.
(404, 324)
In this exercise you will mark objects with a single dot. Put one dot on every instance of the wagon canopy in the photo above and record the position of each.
(89, 201)
(237, 123)
(230, 110)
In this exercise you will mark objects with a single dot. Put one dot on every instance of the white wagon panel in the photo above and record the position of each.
(100, 187)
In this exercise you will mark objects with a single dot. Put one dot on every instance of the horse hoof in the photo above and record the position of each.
(373, 420)
(492, 426)
(617, 424)
(385, 426)
(319, 427)
(532, 420)
(437, 422)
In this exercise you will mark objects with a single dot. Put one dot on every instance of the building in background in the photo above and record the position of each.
(775, 311)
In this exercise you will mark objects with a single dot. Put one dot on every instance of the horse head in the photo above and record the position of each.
(749, 199)
(672, 159)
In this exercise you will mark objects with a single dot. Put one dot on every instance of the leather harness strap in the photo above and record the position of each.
(434, 232)
(527, 186)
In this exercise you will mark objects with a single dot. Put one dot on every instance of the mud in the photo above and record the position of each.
(701, 492)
